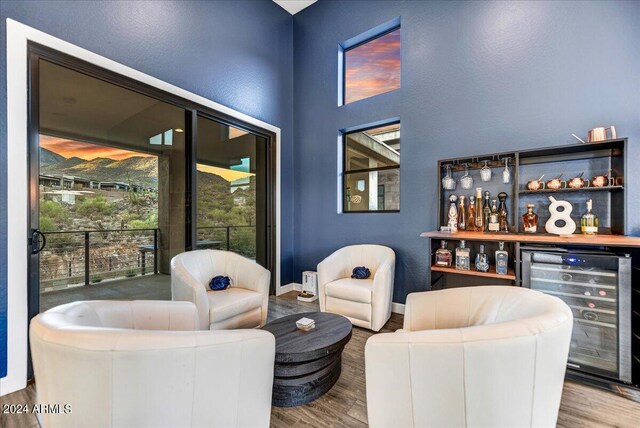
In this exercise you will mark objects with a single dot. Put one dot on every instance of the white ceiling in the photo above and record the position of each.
(294, 6)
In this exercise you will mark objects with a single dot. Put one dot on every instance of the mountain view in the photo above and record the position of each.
(127, 217)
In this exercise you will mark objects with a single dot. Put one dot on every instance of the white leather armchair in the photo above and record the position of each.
(243, 305)
(490, 356)
(365, 302)
(143, 364)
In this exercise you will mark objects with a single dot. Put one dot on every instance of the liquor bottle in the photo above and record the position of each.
(482, 260)
(530, 220)
(453, 214)
(486, 211)
(471, 214)
(503, 215)
(462, 215)
(589, 221)
(494, 226)
(443, 255)
(479, 215)
(463, 257)
(502, 259)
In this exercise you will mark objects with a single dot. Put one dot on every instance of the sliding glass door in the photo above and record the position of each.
(123, 178)
(231, 211)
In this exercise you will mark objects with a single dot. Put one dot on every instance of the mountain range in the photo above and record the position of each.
(134, 170)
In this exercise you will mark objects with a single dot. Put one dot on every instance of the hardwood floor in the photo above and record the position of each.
(345, 404)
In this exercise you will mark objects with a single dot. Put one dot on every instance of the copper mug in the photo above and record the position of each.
(578, 183)
(602, 181)
(535, 185)
(600, 134)
(556, 184)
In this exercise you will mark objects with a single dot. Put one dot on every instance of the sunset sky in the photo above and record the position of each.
(373, 68)
(86, 151)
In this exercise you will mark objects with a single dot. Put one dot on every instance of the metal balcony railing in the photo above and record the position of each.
(75, 258)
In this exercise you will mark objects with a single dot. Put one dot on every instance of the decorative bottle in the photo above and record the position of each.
(443, 255)
(462, 215)
(479, 215)
(463, 257)
(502, 259)
(453, 214)
(482, 260)
(589, 221)
(503, 214)
(494, 226)
(486, 211)
(530, 220)
(471, 214)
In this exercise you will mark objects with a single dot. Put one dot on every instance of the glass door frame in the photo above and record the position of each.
(36, 52)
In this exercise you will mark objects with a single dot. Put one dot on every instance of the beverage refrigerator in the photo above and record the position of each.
(597, 287)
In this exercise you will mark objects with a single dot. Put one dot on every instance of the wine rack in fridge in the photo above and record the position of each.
(597, 288)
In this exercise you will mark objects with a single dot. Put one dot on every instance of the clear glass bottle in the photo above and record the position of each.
(503, 214)
(502, 259)
(486, 211)
(482, 260)
(479, 216)
(443, 255)
(453, 214)
(494, 226)
(530, 220)
(589, 221)
(463, 257)
(471, 214)
(462, 215)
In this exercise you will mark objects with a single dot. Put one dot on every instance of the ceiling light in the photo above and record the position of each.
(179, 130)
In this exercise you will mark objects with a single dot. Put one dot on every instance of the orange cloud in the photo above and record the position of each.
(70, 148)
(373, 68)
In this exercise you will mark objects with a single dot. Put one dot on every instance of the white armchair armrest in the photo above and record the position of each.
(186, 287)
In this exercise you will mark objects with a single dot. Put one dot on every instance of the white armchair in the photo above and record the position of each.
(143, 364)
(243, 305)
(365, 302)
(476, 356)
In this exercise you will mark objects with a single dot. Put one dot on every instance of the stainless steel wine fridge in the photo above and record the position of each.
(597, 288)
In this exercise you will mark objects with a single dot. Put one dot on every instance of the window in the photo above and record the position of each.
(372, 67)
(371, 174)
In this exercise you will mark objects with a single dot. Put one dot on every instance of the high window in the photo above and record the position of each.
(371, 174)
(372, 67)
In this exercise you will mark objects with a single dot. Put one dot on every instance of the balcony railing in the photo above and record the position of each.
(74, 258)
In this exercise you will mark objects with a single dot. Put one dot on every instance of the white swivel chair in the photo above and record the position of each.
(365, 302)
(490, 356)
(243, 305)
(144, 364)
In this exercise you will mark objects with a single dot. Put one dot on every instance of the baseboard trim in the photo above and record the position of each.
(293, 286)
(397, 308)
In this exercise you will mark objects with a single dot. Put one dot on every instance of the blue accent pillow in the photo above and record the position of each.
(219, 282)
(360, 272)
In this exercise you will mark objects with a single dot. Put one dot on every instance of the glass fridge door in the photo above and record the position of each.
(589, 285)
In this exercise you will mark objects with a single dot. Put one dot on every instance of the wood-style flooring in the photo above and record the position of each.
(345, 404)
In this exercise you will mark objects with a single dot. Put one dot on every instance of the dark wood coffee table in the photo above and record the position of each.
(308, 363)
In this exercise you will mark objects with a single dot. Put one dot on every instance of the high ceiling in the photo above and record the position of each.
(294, 6)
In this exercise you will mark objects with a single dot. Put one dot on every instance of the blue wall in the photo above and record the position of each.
(236, 53)
(477, 77)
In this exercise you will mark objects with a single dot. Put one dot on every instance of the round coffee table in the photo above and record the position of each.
(308, 363)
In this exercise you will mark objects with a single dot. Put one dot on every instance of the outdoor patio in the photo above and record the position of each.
(145, 287)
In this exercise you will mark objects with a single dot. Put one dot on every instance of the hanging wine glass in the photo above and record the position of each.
(506, 174)
(485, 172)
(448, 183)
(466, 181)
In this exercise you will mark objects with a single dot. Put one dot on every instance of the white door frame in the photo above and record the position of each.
(18, 35)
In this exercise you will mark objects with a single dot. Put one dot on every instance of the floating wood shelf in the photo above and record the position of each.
(510, 276)
(577, 239)
(568, 190)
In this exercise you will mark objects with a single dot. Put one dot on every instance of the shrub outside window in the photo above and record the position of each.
(371, 172)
